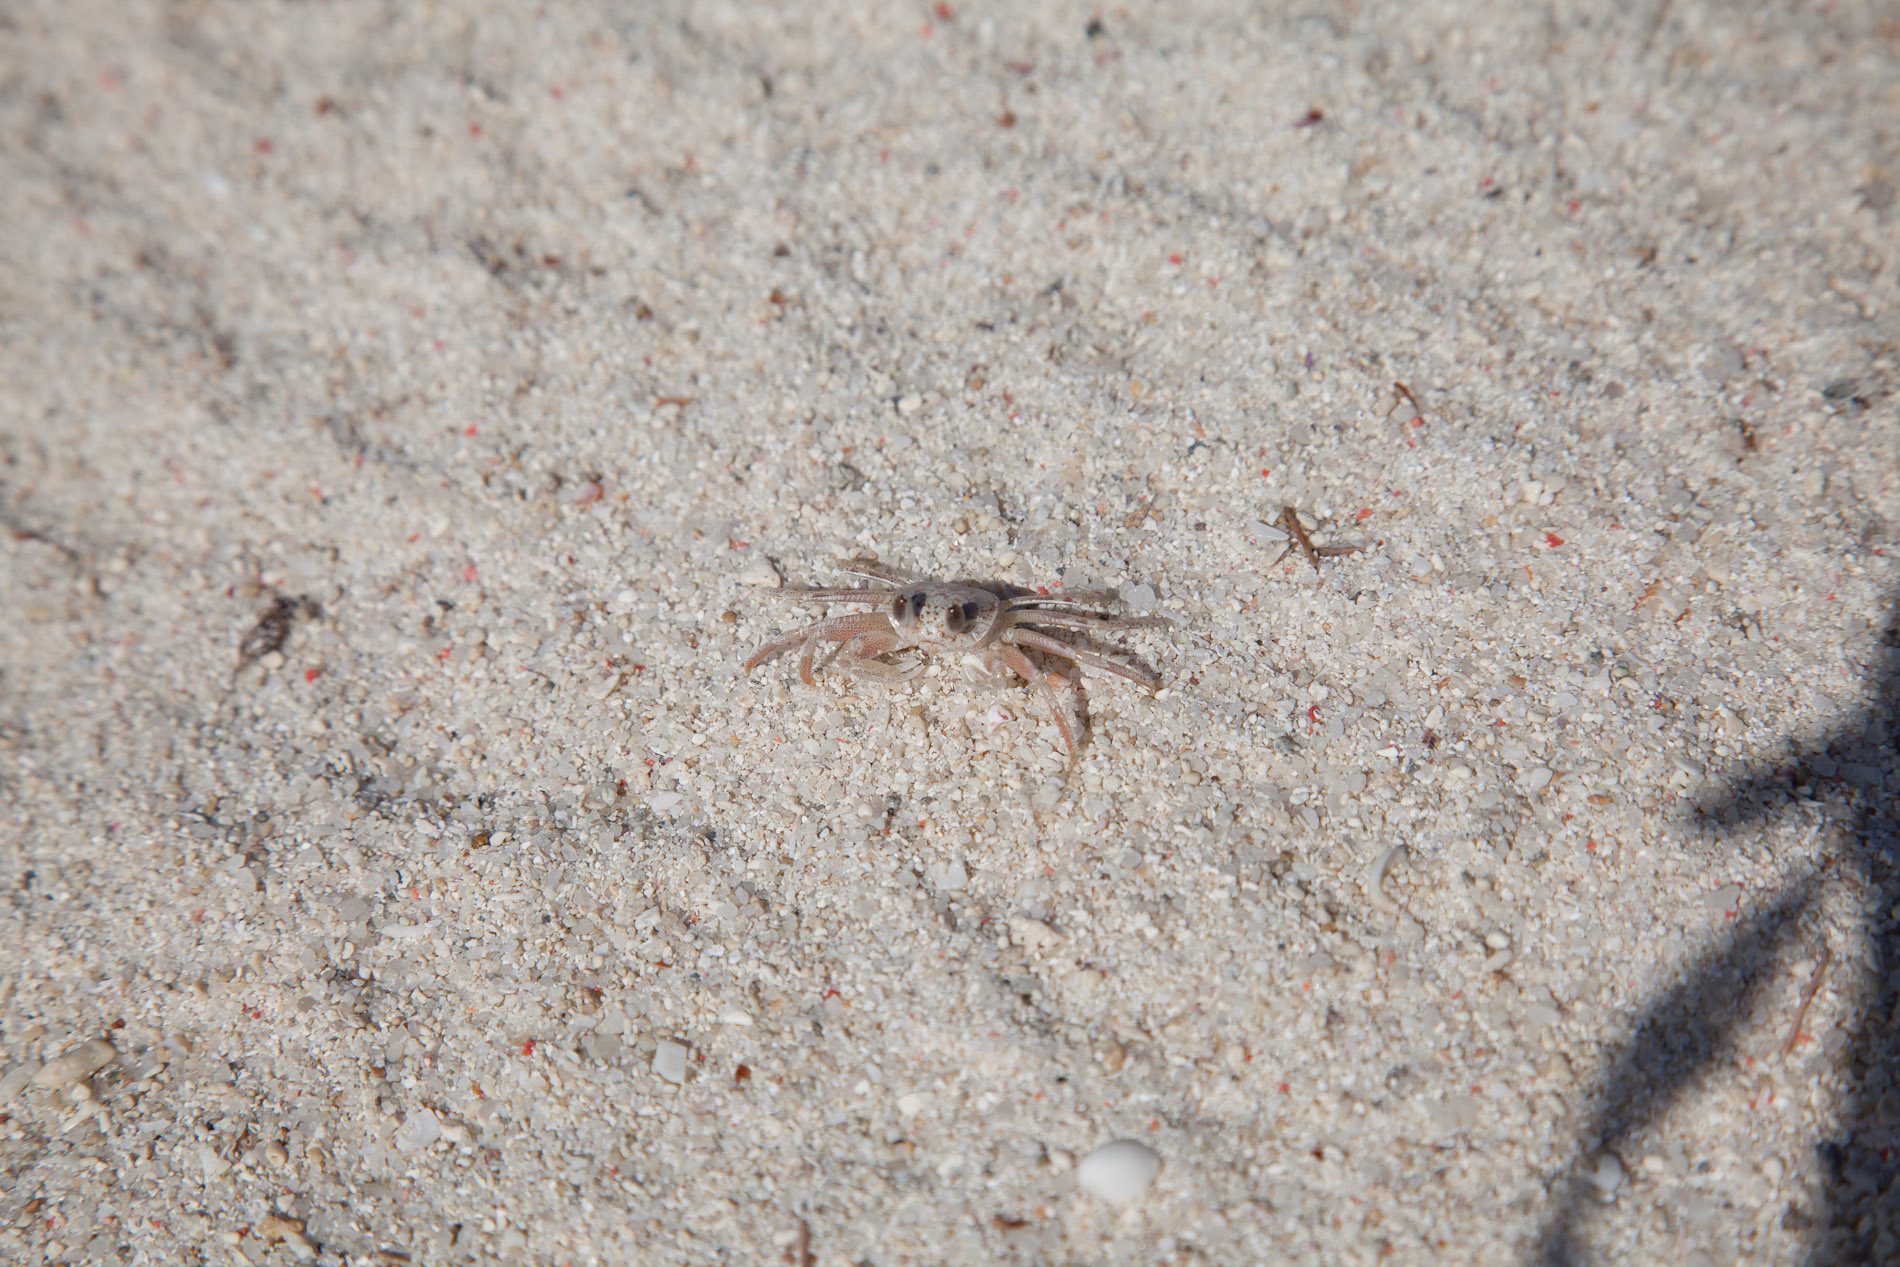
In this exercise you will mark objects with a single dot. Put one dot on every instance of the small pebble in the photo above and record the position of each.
(81, 1062)
(1139, 599)
(949, 876)
(1119, 1171)
(1604, 1173)
(273, 1229)
(1032, 934)
(761, 572)
(669, 1061)
(1687, 765)
(419, 1131)
(15, 1081)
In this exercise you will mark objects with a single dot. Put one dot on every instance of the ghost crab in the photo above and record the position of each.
(995, 623)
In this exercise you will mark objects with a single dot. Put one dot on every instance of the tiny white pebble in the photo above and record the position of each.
(81, 1062)
(15, 1081)
(948, 876)
(1119, 1171)
(1604, 1173)
(669, 1061)
(761, 572)
(1032, 934)
(1139, 599)
(419, 1131)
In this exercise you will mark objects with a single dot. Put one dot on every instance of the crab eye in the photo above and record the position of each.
(899, 606)
(954, 620)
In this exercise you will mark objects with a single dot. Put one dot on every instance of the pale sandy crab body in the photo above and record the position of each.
(997, 625)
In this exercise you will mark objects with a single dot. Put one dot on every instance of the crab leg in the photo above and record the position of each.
(1083, 620)
(863, 594)
(1039, 602)
(872, 570)
(860, 652)
(1080, 655)
(841, 629)
(1068, 720)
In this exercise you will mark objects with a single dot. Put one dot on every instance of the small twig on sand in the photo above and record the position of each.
(1290, 520)
(1418, 410)
(1807, 997)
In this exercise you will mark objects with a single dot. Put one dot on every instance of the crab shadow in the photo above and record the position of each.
(1686, 1035)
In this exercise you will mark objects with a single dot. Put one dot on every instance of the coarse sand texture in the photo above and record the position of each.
(1479, 419)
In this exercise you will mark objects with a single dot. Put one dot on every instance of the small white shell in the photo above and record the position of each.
(1118, 1171)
